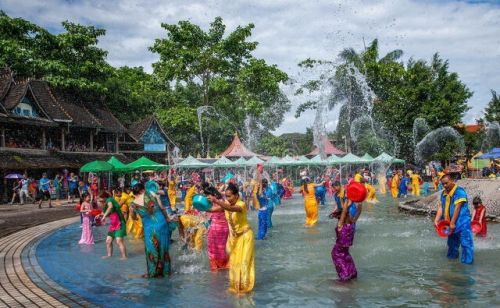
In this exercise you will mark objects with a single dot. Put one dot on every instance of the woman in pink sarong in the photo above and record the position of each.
(218, 233)
(85, 208)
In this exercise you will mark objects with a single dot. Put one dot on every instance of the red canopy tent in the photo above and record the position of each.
(237, 149)
(330, 149)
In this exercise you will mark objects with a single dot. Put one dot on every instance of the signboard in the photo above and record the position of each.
(155, 147)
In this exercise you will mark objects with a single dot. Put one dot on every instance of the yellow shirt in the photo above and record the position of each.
(358, 177)
(395, 181)
(237, 221)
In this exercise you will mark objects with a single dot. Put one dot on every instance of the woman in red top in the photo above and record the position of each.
(479, 215)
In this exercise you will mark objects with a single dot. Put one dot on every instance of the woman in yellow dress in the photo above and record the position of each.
(372, 196)
(133, 226)
(310, 202)
(172, 192)
(240, 244)
(395, 184)
(188, 201)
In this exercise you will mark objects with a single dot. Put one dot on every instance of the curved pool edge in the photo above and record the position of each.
(22, 282)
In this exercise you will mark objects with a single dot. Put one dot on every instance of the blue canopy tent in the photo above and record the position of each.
(493, 154)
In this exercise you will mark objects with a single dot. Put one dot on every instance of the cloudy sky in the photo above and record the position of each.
(465, 32)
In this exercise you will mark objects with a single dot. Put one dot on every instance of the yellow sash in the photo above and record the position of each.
(448, 202)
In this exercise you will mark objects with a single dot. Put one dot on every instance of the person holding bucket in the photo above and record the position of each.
(479, 217)
(455, 210)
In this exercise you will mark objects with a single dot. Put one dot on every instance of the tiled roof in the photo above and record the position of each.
(80, 115)
(107, 120)
(44, 97)
(15, 94)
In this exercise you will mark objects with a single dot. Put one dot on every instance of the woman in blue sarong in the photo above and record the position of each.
(263, 204)
(156, 231)
(270, 195)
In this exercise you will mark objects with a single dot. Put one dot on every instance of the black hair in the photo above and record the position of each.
(83, 196)
(304, 183)
(210, 190)
(336, 183)
(233, 188)
(477, 200)
(264, 183)
(138, 188)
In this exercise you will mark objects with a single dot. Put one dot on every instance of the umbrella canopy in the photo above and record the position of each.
(287, 161)
(398, 161)
(223, 162)
(240, 162)
(493, 154)
(350, 159)
(273, 161)
(14, 176)
(254, 161)
(144, 163)
(97, 166)
(317, 161)
(117, 164)
(191, 162)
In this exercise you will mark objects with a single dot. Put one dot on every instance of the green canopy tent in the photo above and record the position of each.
(273, 161)
(144, 163)
(191, 162)
(224, 162)
(398, 161)
(384, 158)
(97, 166)
(317, 161)
(252, 162)
(302, 161)
(333, 160)
(366, 159)
(240, 162)
(287, 161)
(350, 159)
(117, 164)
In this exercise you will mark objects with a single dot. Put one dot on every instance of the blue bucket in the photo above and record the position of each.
(201, 202)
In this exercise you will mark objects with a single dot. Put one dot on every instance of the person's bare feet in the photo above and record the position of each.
(123, 258)
(105, 257)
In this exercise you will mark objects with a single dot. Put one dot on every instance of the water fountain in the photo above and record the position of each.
(199, 112)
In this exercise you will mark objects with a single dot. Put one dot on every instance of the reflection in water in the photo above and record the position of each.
(400, 262)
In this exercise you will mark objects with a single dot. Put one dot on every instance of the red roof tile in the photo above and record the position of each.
(330, 149)
(237, 149)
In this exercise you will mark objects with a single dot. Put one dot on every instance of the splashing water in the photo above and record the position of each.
(435, 141)
(420, 129)
(492, 136)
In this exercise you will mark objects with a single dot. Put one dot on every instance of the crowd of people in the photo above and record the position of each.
(147, 208)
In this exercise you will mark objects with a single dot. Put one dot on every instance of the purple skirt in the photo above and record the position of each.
(344, 264)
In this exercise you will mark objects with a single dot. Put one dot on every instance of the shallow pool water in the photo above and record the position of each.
(399, 258)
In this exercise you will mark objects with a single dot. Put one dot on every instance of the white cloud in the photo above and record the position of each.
(289, 31)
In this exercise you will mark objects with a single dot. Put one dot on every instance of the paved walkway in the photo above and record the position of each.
(22, 281)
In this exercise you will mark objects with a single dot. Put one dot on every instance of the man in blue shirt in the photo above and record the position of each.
(455, 209)
(44, 190)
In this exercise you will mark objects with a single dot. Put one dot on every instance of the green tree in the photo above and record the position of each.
(132, 93)
(222, 73)
(69, 60)
(492, 111)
